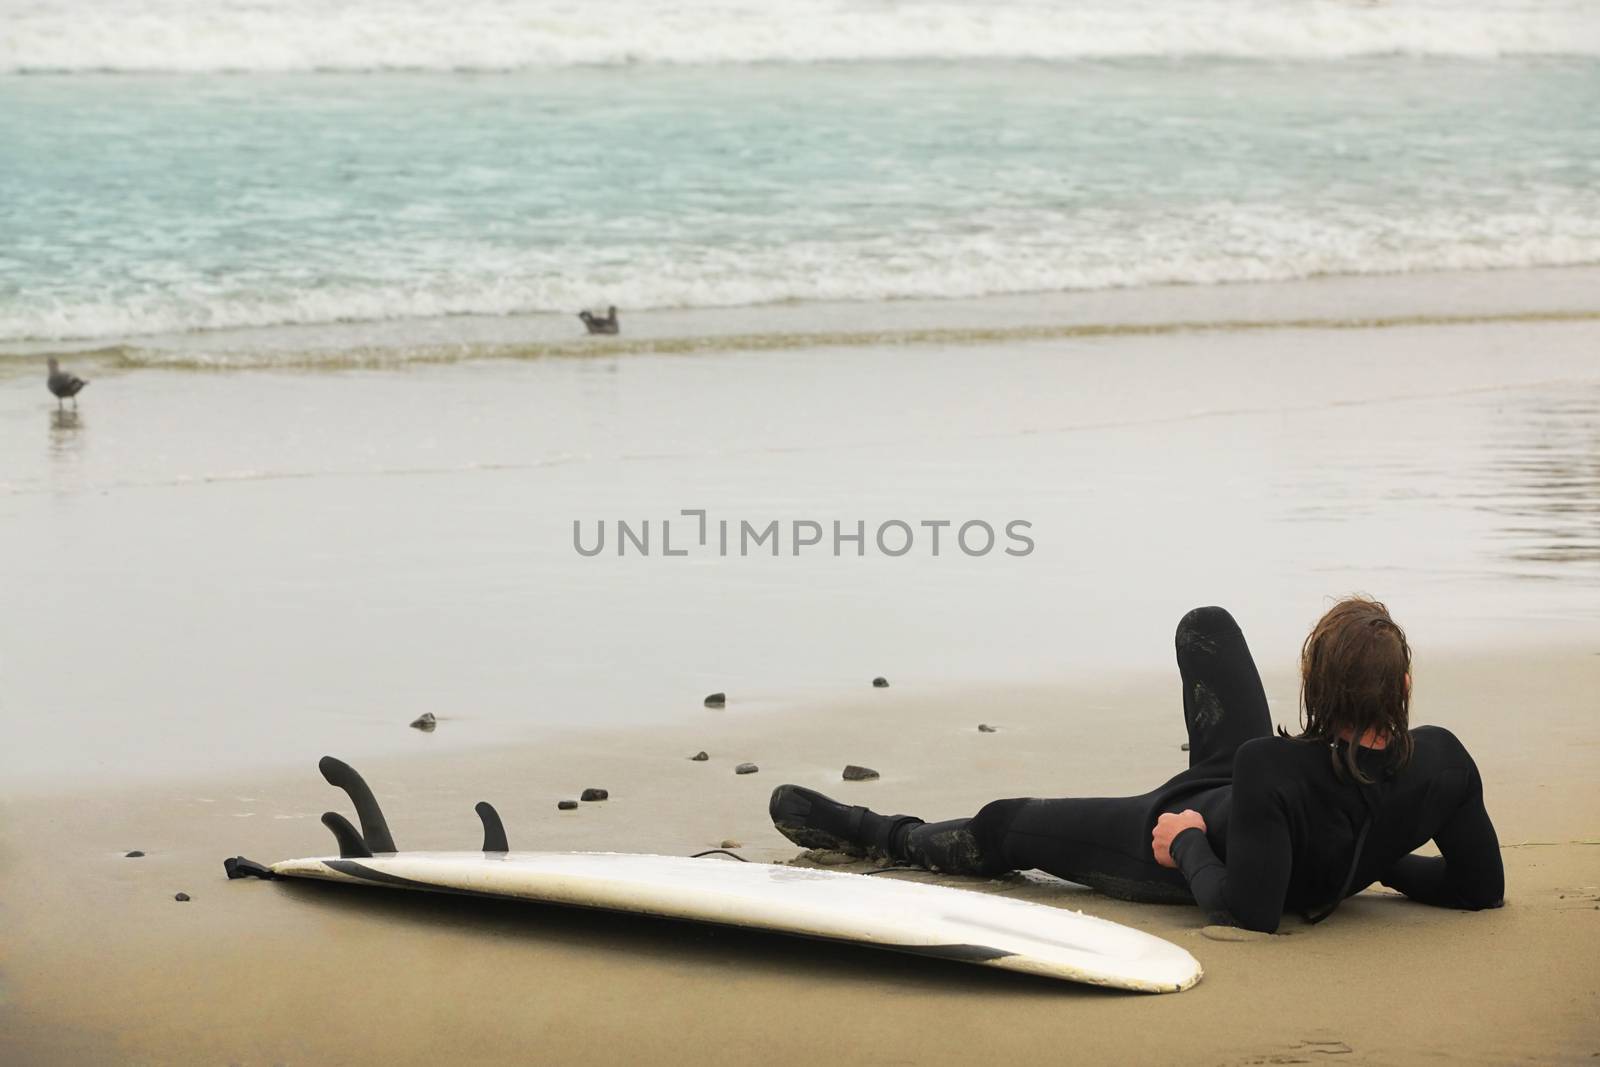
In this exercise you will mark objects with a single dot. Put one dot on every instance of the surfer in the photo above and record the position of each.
(1258, 824)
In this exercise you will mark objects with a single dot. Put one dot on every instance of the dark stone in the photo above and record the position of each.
(594, 794)
(853, 773)
(880, 682)
(180, 897)
(566, 805)
(1184, 747)
(425, 722)
(746, 768)
(985, 728)
(135, 854)
(700, 757)
(717, 700)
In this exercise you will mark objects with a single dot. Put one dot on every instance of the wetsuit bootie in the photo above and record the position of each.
(812, 820)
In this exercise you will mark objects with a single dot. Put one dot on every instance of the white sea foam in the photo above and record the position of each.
(363, 35)
(1232, 247)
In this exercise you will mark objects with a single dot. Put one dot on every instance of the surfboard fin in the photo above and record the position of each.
(351, 846)
(374, 830)
(239, 867)
(494, 831)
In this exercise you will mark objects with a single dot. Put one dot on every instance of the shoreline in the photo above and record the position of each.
(90, 925)
(1329, 302)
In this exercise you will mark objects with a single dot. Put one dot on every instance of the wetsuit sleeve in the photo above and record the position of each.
(1249, 890)
(1469, 873)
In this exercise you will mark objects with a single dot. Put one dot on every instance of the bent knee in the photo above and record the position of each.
(1199, 629)
(997, 815)
(990, 826)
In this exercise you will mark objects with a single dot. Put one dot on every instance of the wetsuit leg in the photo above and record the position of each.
(1103, 843)
(1224, 704)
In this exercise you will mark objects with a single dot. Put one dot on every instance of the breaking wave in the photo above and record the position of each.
(496, 35)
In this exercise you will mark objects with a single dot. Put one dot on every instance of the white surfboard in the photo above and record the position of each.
(880, 911)
(928, 920)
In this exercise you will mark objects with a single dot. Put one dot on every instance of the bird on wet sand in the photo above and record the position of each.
(596, 324)
(63, 384)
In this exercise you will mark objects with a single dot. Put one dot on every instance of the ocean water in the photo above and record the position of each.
(167, 168)
(876, 262)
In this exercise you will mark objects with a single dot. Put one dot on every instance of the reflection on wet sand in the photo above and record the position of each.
(1549, 459)
(66, 435)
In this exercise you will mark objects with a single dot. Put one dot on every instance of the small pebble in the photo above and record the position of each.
(180, 897)
(880, 682)
(716, 700)
(700, 757)
(746, 768)
(425, 722)
(594, 794)
(985, 728)
(566, 805)
(853, 773)
(1184, 747)
(135, 854)
(731, 843)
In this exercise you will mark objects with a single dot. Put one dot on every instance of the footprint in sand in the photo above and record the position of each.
(1306, 1051)
(1579, 898)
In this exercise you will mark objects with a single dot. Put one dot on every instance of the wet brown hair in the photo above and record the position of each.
(1354, 667)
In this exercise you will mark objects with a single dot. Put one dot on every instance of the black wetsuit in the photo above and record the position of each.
(1281, 823)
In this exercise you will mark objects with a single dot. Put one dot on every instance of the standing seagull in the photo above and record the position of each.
(64, 384)
(598, 325)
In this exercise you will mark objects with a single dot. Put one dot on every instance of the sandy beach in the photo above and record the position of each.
(253, 599)
(101, 965)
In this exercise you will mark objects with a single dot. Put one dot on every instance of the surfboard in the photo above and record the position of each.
(877, 910)
(881, 911)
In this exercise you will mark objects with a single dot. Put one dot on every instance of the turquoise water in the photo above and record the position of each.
(134, 205)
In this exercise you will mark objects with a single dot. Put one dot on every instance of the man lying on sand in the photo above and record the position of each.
(1258, 825)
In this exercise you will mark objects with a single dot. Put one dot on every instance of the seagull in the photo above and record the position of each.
(64, 384)
(599, 325)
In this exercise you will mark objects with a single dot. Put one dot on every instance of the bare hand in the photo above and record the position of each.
(1169, 826)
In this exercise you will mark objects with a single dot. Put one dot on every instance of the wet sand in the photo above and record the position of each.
(244, 569)
(101, 965)
(213, 578)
